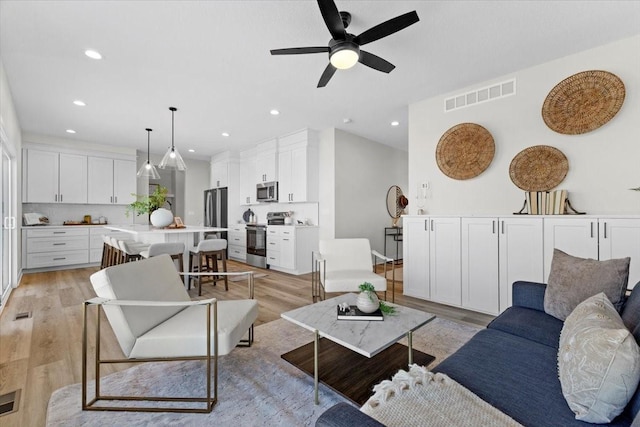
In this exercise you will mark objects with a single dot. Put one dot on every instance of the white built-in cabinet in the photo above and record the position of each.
(111, 181)
(237, 242)
(520, 245)
(495, 252)
(596, 238)
(247, 177)
(266, 161)
(52, 177)
(289, 248)
(431, 250)
(219, 174)
(298, 167)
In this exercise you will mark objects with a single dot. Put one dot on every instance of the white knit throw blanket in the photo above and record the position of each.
(420, 397)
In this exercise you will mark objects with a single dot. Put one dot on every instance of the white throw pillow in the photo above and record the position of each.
(598, 361)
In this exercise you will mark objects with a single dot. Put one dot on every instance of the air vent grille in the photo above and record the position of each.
(478, 96)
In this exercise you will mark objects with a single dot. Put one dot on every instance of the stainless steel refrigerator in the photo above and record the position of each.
(216, 209)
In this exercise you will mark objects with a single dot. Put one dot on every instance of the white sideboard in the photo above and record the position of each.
(472, 261)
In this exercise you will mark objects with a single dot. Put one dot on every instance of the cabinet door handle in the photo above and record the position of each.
(285, 240)
(59, 232)
(605, 230)
(59, 259)
(425, 225)
(116, 199)
(502, 227)
(111, 199)
(493, 227)
(431, 225)
(592, 230)
(59, 244)
(61, 197)
(56, 197)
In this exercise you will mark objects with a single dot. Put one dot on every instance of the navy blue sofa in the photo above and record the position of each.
(512, 364)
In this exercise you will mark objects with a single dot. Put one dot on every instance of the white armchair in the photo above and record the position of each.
(154, 320)
(341, 265)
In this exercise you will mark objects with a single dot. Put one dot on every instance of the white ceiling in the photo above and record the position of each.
(211, 60)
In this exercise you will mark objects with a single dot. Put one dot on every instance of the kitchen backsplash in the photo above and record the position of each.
(301, 212)
(58, 213)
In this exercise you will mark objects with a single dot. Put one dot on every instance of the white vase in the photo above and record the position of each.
(161, 217)
(367, 302)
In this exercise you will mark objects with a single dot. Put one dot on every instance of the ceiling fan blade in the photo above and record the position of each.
(326, 75)
(387, 28)
(375, 62)
(299, 50)
(332, 19)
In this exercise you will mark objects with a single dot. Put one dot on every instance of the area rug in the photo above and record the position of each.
(256, 387)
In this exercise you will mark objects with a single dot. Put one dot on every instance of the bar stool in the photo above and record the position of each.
(210, 250)
(107, 252)
(116, 252)
(131, 249)
(174, 249)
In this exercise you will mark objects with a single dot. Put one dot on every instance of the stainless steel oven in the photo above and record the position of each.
(257, 245)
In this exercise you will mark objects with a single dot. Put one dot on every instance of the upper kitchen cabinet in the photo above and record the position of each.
(298, 167)
(224, 167)
(266, 161)
(111, 181)
(51, 177)
(247, 177)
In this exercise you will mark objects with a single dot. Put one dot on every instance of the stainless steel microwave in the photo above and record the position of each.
(267, 192)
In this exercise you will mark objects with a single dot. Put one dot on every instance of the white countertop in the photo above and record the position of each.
(148, 229)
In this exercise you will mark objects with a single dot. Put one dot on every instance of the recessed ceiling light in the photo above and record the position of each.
(225, 133)
(191, 150)
(79, 103)
(71, 131)
(395, 123)
(93, 54)
(274, 112)
(346, 121)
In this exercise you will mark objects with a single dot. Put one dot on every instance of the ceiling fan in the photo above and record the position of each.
(344, 48)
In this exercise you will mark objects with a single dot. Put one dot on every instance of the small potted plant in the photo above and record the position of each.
(368, 301)
(153, 206)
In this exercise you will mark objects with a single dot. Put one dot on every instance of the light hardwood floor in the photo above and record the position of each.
(43, 353)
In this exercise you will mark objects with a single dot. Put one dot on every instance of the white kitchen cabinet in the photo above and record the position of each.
(298, 172)
(55, 246)
(237, 242)
(521, 254)
(620, 238)
(219, 174)
(289, 248)
(431, 250)
(266, 162)
(247, 177)
(480, 273)
(576, 236)
(111, 181)
(52, 177)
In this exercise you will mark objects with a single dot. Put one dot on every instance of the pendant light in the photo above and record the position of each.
(172, 158)
(147, 169)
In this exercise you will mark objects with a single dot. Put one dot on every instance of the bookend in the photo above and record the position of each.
(568, 209)
(523, 210)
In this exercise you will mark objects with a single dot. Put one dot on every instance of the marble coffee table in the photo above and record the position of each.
(366, 338)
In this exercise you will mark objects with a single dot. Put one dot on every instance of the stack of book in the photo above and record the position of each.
(352, 312)
(546, 202)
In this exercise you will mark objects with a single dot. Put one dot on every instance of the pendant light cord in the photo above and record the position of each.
(173, 110)
(148, 144)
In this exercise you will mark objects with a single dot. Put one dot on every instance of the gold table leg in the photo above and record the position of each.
(410, 342)
(315, 366)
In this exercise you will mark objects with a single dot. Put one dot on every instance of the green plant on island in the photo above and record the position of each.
(146, 204)
(368, 287)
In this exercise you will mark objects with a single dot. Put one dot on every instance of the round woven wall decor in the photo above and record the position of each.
(538, 168)
(465, 151)
(583, 102)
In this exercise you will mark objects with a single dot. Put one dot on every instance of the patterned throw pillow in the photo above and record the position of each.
(573, 280)
(598, 361)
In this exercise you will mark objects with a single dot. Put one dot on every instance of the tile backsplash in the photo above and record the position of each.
(58, 213)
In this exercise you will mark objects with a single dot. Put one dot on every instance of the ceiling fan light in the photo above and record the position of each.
(344, 58)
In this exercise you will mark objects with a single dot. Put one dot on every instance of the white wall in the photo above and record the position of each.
(603, 164)
(327, 185)
(196, 180)
(364, 171)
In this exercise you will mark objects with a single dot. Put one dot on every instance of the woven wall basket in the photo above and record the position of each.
(538, 168)
(583, 102)
(465, 151)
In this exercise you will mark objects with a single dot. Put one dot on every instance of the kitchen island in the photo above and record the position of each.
(190, 235)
